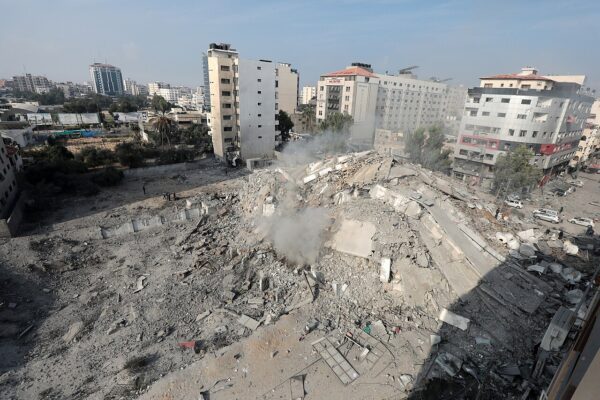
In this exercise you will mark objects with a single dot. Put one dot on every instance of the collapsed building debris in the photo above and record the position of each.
(358, 243)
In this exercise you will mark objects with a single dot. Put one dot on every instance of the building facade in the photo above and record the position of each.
(206, 82)
(10, 164)
(132, 88)
(154, 87)
(106, 79)
(545, 113)
(243, 106)
(589, 145)
(351, 91)
(31, 83)
(287, 83)
(308, 93)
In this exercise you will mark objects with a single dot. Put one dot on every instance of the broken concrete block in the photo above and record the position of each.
(413, 209)
(449, 363)
(309, 178)
(536, 268)
(570, 248)
(558, 329)
(385, 270)
(527, 250)
(454, 319)
(203, 315)
(482, 340)
(527, 236)
(544, 248)
(435, 339)
(571, 275)
(73, 331)
(555, 244)
(556, 268)
(355, 238)
(268, 210)
(574, 296)
(248, 322)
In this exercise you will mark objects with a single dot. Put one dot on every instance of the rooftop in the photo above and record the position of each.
(530, 77)
(350, 71)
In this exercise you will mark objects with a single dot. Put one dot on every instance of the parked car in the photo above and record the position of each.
(576, 183)
(513, 203)
(582, 221)
(546, 215)
(559, 192)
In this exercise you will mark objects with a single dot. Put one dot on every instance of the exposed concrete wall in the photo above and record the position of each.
(9, 227)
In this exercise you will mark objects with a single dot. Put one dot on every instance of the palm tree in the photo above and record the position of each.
(164, 125)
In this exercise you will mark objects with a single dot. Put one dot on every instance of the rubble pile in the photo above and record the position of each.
(365, 248)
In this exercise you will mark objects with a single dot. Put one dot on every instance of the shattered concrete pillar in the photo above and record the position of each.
(385, 270)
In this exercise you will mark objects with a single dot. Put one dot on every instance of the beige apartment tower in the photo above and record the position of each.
(287, 83)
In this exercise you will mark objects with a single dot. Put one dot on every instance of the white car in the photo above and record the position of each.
(582, 221)
(513, 203)
(546, 215)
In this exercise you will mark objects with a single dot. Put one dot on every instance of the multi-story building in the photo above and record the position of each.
(287, 83)
(243, 107)
(457, 95)
(308, 93)
(154, 87)
(545, 113)
(206, 82)
(405, 103)
(131, 87)
(106, 79)
(31, 83)
(10, 164)
(352, 91)
(589, 144)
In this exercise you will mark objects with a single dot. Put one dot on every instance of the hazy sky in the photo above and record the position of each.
(164, 40)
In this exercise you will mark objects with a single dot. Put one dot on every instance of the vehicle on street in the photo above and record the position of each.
(582, 221)
(546, 215)
(576, 183)
(559, 192)
(513, 203)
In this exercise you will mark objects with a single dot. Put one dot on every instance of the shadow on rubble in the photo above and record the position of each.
(142, 184)
(23, 308)
(489, 346)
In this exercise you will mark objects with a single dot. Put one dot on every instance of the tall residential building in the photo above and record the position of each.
(589, 144)
(352, 91)
(206, 82)
(154, 87)
(545, 113)
(31, 83)
(10, 164)
(308, 93)
(243, 107)
(287, 83)
(131, 87)
(107, 79)
(457, 96)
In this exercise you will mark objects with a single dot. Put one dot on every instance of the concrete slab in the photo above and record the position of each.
(355, 238)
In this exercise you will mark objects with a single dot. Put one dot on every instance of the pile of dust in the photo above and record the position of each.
(316, 147)
(299, 236)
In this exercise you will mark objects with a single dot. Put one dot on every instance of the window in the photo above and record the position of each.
(534, 134)
(260, 115)
(475, 99)
(259, 104)
(485, 114)
(260, 126)
(321, 88)
(226, 117)
(526, 101)
(226, 105)
(259, 80)
(320, 112)
(473, 113)
(227, 129)
(488, 85)
(511, 132)
(225, 93)
(259, 92)
(259, 67)
(489, 156)
(521, 116)
(525, 86)
(522, 133)
(505, 100)
(225, 68)
(226, 81)
(347, 98)
(501, 115)
(489, 99)
(462, 152)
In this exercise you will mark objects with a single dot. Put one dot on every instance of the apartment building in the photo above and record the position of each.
(308, 93)
(106, 79)
(589, 144)
(405, 103)
(243, 105)
(545, 113)
(31, 83)
(206, 82)
(10, 164)
(352, 91)
(155, 87)
(287, 83)
(133, 88)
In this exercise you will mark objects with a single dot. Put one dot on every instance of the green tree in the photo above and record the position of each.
(197, 135)
(129, 155)
(308, 117)
(166, 128)
(285, 125)
(337, 123)
(514, 172)
(414, 144)
(426, 147)
(160, 105)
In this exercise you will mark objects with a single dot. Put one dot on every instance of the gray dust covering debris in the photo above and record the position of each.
(340, 275)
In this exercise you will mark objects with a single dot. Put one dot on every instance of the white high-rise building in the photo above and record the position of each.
(243, 106)
(154, 87)
(308, 93)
